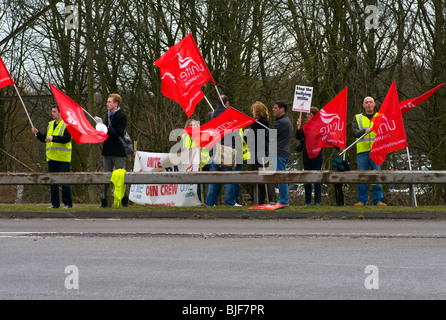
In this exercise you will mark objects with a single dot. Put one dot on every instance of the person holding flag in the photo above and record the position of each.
(310, 163)
(113, 150)
(58, 155)
(362, 130)
(231, 190)
(324, 129)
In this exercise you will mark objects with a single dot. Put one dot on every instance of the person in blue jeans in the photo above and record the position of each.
(363, 162)
(362, 128)
(214, 189)
(283, 128)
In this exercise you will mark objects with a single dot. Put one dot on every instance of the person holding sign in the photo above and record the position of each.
(310, 164)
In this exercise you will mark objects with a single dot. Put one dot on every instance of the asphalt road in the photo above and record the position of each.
(178, 259)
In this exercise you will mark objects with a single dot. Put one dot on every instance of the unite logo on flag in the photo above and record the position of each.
(327, 128)
(332, 121)
(72, 114)
(384, 125)
(213, 131)
(183, 72)
(187, 73)
(389, 128)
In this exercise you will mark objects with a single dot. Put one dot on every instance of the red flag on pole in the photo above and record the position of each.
(409, 104)
(213, 131)
(5, 77)
(77, 124)
(389, 128)
(328, 127)
(183, 73)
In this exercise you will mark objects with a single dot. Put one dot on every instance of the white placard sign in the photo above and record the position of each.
(302, 98)
(164, 194)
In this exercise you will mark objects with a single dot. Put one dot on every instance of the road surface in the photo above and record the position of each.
(185, 259)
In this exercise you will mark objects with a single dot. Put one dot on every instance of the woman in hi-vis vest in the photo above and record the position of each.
(189, 143)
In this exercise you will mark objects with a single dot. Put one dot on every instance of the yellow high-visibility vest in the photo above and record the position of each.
(366, 143)
(246, 152)
(58, 151)
(189, 143)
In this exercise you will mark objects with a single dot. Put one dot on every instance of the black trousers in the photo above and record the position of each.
(262, 189)
(313, 164)
(59, 166)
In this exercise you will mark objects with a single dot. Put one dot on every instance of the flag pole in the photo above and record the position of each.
(266, 186)
(90, 115)
(353, 144)
(221, 100)
(413, 195)
(263, 125)
(219, 96)
(29, 118)
(210, 105)
(200, 170)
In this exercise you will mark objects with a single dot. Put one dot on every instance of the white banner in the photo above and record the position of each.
(302, 98)
(180, 195)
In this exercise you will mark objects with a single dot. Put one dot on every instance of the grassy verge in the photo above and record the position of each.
(138, 208)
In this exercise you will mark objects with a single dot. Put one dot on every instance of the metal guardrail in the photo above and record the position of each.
(243, 177)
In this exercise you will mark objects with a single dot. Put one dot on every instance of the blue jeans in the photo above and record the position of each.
(279, 164)
(237, 187)
(214, 189)
(363, 162)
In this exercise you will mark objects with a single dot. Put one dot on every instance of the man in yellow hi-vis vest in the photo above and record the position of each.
(58, 155)
(362, 125)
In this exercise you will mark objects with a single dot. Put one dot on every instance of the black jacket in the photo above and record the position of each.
(300, 135)
(257, 128)
(112, 146)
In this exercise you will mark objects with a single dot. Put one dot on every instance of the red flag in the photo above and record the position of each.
(213, 131)
(327, 128)
(5, 77)
(409, 104)
(389, 128)
(77, 124)
(183, 73)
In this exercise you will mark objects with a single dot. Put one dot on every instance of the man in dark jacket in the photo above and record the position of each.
(113, 150)
(283, 129)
